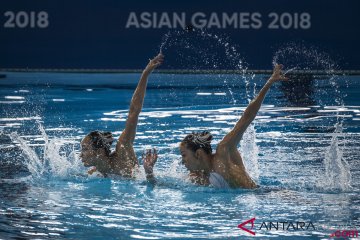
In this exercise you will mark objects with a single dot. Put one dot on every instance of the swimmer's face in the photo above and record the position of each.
(189, 159)
(90, 155)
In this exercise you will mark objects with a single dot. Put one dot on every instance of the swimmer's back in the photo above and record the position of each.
(124, 160)
(229, 164)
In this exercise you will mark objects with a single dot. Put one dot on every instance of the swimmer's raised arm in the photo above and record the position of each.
(128, 135)
(149, 160)
(233, 138)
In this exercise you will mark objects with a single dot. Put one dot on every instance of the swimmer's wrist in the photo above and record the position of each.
(149, 171)
(147, 70)
(151, 178)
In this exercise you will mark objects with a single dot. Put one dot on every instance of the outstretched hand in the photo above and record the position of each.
(277, 74)
(155, 62)
(149, 160)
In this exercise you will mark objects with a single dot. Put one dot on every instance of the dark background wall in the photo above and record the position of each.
(113, 34)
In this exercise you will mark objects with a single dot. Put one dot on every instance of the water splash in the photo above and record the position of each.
(164, 41)
(34, 164)
(309, 63)
(54, 160)
(249, 149)
(249, 152)
(290, 70)
(299, 58)
(337, 176)
(175, 169)
(215, 51)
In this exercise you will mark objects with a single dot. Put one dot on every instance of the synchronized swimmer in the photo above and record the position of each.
(225, 167)
(95, 146)
(222, 169)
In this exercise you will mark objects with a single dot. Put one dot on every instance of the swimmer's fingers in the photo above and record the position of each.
(156, 61)
(150, 153)
(158, 58)
(278, 68)
(152, 65)
(149, 161)
(155, 155)
(277, 74)
(146, 159)
(157, 64)
(284, 78)
(146, 154)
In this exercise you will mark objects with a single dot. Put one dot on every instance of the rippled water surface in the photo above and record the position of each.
(303, 149)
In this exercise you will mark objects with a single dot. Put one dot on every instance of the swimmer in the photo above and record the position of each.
(224, 168)
(95, 146)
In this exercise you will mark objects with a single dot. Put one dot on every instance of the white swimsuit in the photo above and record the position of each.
(218, 181)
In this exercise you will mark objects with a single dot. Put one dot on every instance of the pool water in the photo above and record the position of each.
(303, 151)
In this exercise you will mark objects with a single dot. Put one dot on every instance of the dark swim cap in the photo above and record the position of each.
(194, 141)
(101, 139)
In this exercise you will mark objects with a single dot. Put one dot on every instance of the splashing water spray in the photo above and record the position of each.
(249, 150)
(337, 169)
(188, 46)
(32, 161)
(298, 58)
(52, 162)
